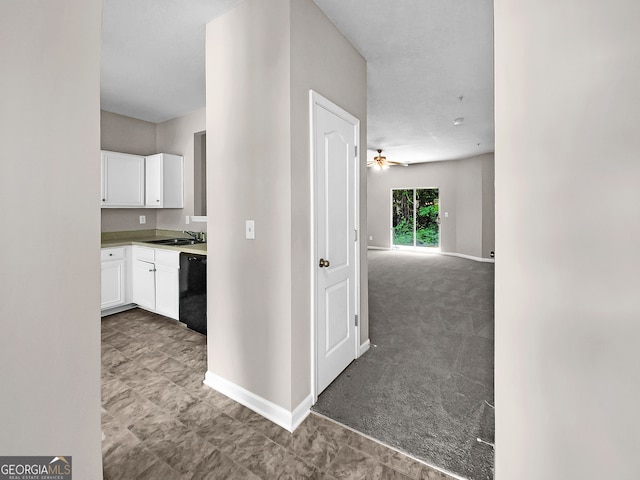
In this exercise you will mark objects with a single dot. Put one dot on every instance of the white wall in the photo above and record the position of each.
(131, 135)
(325, 61)
(568, 239)
(262, 59)
(49, 247)
(177, 136)
(468, 212)
(466, 194)
(249, 285)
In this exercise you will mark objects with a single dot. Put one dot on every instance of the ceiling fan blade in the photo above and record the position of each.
(396, 163)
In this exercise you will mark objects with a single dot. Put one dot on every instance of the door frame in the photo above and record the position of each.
(316, 100)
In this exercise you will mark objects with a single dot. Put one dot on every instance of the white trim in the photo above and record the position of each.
(314, 248)
(449, 254)
(363, 348)
(301, 412)
(121, 308)
(469, 257)
(272, 412)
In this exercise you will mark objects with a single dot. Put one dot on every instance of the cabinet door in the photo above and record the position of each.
(164, 182)
(144, 284)
(122, 180)
(112, 284)
(154, 181)
(167, 291)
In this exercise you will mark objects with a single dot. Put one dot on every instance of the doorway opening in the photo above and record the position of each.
(415, 219)
(200, 174)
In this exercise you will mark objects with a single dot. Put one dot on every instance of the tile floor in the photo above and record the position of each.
(160, 422)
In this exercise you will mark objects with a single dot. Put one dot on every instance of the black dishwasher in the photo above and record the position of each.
(193, 291)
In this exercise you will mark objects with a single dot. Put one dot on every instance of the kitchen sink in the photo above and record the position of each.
(174, 241)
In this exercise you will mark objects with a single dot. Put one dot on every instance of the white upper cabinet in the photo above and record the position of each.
(164, 186)
(122, 180)
(134, 181)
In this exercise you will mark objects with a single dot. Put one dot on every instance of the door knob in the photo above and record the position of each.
(324, 263)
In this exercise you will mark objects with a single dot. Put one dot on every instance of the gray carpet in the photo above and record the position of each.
(424, 387)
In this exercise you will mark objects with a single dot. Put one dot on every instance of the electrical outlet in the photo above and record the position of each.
(250, 231)
(186, 220)
(143, 219)
(370, 237)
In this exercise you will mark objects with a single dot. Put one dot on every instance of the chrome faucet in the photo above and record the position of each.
(197, 236)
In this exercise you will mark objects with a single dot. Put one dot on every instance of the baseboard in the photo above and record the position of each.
(364, 347)
(275, 413)
(469, 257)
(450, 254)
(121, 308)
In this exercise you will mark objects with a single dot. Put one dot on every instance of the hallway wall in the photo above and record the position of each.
(568, 236)
(258, 85)
(50, 246)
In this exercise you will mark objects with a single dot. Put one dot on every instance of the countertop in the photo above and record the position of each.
(140, 237)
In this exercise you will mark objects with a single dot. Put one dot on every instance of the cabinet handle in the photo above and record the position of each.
(111, 254)
(152, 270)
(157, 200)
(104, 199)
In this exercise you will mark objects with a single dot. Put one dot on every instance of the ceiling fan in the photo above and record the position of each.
(381, 163)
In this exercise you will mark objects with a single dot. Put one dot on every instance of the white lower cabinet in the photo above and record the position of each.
(144, 284)
(113, 277)
(167, 293)
(156, 280)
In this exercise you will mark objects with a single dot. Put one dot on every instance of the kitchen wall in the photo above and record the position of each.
(50, 242)
(119, 133)
(568, 239)
(130, 135)
(177, 136)
(257, 93)
(466, 193)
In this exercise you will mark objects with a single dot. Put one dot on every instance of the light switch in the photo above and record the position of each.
(446, 214)
(143, 219)
(250, 230)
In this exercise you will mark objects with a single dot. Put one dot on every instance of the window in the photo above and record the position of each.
(415, 219)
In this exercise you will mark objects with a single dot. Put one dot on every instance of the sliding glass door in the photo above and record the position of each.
(415, 219)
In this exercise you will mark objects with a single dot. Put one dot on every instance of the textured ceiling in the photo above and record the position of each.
(422, 56)
(153, 59)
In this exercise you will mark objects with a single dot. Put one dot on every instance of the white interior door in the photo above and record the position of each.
(334, 140)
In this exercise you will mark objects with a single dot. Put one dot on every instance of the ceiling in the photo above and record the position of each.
(429, 62)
